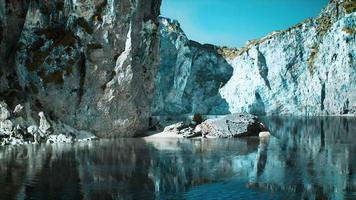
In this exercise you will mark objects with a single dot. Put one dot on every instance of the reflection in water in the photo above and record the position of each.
(308, 158)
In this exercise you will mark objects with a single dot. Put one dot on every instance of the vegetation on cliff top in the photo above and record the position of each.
(350, 7)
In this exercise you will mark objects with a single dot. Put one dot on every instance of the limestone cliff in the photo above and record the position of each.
(189, 76)
(309, 69)
(90, 64)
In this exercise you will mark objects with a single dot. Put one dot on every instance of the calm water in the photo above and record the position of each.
(307, 159)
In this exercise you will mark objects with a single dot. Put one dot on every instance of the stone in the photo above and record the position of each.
(190, 132)
(198, 129)
(44, 125)
(186, 131)
(32, 130)
(176, 127)
(4, 112)
(6, 127)
(233, 125)
(18, 109)
(59, 139)
(264, 134)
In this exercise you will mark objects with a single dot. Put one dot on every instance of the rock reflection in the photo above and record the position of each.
(312, 156)
(309, 158)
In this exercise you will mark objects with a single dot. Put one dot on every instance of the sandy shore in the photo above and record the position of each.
(159, 134)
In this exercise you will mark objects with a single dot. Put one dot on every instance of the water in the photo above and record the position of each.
(308, 159)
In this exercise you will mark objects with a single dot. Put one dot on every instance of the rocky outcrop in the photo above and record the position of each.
(190, 75)
(24, 125)
(309, 69)
(221, 126)
(234, 125)
(89, 64)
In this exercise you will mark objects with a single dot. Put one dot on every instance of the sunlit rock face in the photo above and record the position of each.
(190, 75)
(90, 64)
(309, 69)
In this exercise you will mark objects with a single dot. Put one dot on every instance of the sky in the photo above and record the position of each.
(234, 22)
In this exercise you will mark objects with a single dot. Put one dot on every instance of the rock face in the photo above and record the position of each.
(309, 69)
(12, 19)
(190, 75)
(234, 125)
(90, 64)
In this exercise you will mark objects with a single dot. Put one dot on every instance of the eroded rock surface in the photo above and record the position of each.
(89, 64)
(24, 126)
(190, 75)
(309, 69)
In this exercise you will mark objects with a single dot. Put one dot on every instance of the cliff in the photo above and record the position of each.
(189, 76)
(309, 69)
(89, 64)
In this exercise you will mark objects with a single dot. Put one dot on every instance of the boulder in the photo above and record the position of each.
(59, 139)
(234, 125)
(177, 127)
(264, 134)
(44, 124)
(18, 109)
(4, 111)
(32, 129)
(6, 127)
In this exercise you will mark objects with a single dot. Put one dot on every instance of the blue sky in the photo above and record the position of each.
(233, 22)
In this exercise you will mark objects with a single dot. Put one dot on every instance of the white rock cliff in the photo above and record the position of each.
(309, 69)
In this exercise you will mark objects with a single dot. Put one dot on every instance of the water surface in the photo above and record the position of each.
(312, 158)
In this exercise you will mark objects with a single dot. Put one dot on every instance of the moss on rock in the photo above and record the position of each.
(350, 7)
(323, 25)
(227, 52)
(349, 31)
(311, 59)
